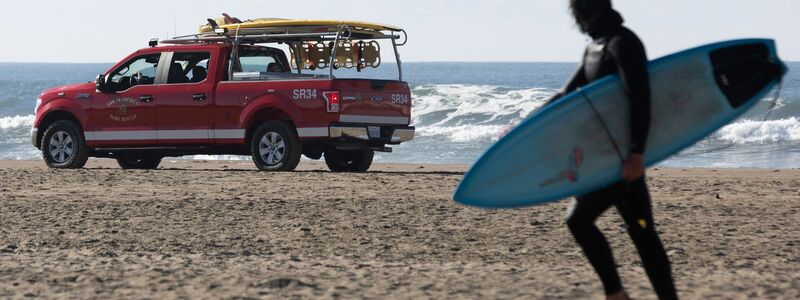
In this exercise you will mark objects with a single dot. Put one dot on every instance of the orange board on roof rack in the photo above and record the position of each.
(265, 23)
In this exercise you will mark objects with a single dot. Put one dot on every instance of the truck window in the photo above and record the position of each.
(140, 70)
(188, 67)
(259, 59)
(256, 63)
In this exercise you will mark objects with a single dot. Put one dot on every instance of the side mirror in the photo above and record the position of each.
(100, 83)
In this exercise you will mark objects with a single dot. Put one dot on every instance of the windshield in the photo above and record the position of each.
(140, 70)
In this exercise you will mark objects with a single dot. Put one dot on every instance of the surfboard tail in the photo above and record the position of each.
(742, 71)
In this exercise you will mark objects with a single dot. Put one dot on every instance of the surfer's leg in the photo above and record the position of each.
(636, 208)
(580, 220)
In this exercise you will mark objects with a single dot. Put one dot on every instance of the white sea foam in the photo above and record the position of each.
(16, 122)
(760, 132)
(475, 113)
(464, 133)
(464, 113)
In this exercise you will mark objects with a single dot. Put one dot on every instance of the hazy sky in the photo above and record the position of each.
(439, 30)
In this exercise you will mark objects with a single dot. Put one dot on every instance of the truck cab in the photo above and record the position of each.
(213, 93)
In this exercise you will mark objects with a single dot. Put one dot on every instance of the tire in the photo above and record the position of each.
(349, 161)
(276, 147)
(64, 146)
(138, 163)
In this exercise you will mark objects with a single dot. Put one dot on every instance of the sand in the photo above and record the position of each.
(222, 230)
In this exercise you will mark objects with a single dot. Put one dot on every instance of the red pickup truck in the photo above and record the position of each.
(224, 94)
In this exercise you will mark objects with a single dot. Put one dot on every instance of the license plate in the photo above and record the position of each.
(374, 131)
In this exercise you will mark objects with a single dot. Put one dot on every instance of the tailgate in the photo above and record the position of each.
(374, 101)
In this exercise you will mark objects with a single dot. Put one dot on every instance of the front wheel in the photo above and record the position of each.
(276, 147)
(63, 145)
(138, 163)
(349, 161)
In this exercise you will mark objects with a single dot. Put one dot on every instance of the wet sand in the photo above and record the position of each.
(222, 230)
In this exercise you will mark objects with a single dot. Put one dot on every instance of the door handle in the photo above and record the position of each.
(146, 98)
(199, 97)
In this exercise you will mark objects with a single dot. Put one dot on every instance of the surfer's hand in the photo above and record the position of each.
(633, 168)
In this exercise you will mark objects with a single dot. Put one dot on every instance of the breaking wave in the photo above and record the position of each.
(7, 123)
(760, 132)
(465, 113)
(470, 113)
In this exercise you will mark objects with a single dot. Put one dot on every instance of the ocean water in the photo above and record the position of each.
(459, 110)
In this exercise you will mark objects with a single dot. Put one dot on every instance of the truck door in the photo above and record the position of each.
(184, 104)
(125, 115)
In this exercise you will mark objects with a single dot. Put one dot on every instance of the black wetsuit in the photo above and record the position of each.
(617, 50)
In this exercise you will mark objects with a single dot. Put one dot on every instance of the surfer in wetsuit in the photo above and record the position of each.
(617, 50)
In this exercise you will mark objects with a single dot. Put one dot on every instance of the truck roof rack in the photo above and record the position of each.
(294, 36)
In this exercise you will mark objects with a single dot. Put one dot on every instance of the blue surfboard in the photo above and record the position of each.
(576, 144)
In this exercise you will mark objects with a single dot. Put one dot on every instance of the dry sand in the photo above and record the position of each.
(223, 230)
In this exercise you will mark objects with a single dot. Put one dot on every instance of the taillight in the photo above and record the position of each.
(331, 101)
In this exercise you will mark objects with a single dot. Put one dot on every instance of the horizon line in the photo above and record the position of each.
(405, 62)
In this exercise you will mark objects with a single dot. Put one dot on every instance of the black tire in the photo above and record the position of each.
(139, 163)
(64, 146)
(349, 161)
(276, 147)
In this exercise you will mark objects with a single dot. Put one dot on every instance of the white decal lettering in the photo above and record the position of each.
(401, 99)
(304, 94)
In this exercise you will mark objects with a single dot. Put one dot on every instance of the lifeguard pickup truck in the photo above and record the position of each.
(231, 89)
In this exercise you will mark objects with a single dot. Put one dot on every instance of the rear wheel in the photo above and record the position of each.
(63, 145)
(349, 161)
(139, 163)
(276, 147)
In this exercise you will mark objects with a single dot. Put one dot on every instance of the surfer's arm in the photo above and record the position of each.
(577, 80)
(631, 59)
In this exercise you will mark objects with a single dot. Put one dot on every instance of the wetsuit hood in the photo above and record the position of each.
(607, 23)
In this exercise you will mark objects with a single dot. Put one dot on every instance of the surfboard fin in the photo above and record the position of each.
(213, 23)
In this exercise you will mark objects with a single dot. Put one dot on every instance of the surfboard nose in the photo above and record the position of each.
(743, 70)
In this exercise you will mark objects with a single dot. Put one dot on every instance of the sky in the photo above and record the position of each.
(80, 31)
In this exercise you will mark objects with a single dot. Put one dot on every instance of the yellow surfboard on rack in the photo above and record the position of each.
(266, 23)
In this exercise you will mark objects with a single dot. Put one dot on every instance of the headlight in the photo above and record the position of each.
(36, 108)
